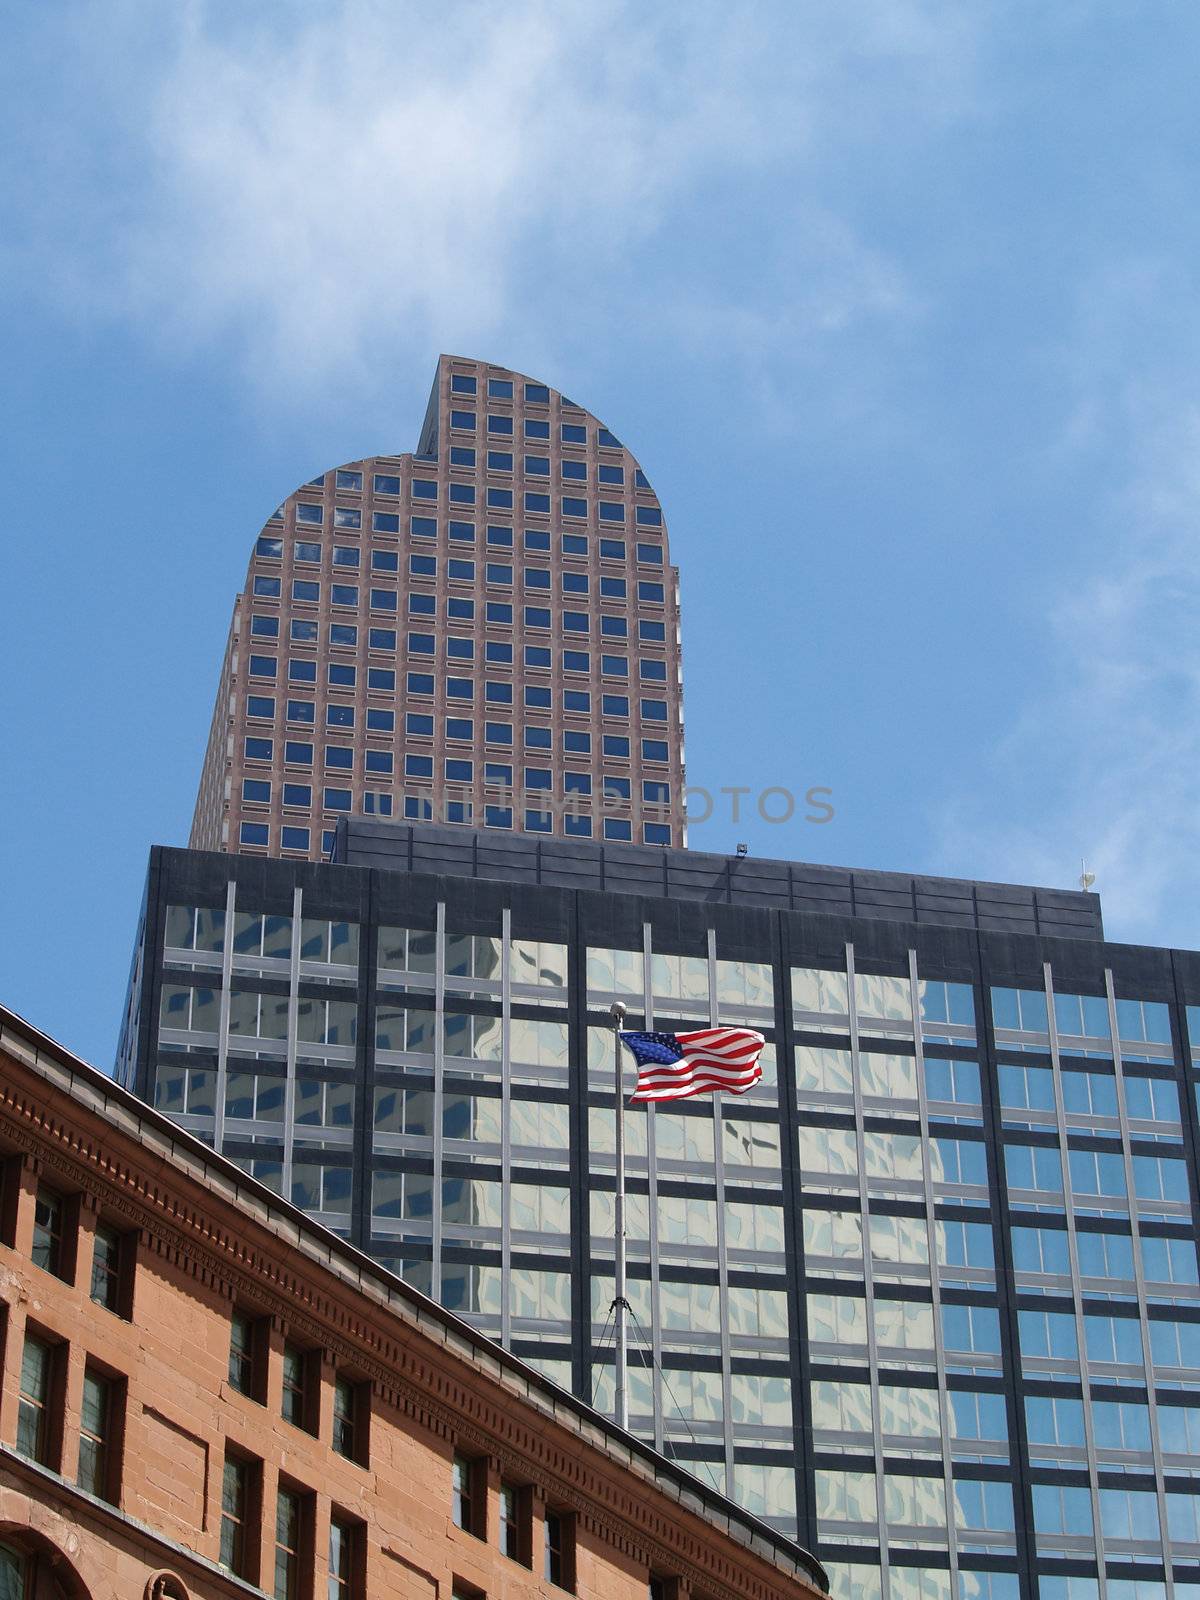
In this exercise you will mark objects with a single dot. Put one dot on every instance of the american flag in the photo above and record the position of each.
(672, 1066)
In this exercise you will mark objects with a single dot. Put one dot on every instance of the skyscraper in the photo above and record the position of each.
(485, 631)
(926, 1297)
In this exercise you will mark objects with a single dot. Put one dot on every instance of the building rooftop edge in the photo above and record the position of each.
(87, 1084)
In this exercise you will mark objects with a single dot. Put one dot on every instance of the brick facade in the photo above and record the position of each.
(127, 1250)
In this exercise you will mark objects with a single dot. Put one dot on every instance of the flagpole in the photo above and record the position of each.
(620, 1305)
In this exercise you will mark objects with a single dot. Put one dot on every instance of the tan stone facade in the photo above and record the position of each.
(164, 1317)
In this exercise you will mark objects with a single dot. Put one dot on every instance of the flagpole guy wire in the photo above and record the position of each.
(620, 1305)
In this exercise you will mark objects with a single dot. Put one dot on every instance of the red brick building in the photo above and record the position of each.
(204, 1394)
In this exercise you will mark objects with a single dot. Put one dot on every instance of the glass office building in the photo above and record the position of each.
(484, 631)
(926, 1297)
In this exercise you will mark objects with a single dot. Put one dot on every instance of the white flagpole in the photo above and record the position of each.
(620, 1305)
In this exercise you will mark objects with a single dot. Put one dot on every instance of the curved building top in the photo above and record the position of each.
(484, 632)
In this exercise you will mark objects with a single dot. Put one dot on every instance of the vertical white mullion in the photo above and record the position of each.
(939, 1352)
(722, 1248)
(293, 1030)
(656, 1383)
(868, 1273)
(439, 1055)
(1089, 1437)
(505, 1123)
(1139, 1278)
(223, 1019)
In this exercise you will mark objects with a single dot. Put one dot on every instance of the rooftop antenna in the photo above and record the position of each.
(743, 849)
(1086, 878)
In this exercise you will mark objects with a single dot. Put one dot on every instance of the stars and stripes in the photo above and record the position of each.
(672, 1066)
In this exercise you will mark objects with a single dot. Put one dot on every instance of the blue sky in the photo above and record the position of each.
(897, 303)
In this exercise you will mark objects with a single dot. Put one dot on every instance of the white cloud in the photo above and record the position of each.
(342, 183)
(1107, 762)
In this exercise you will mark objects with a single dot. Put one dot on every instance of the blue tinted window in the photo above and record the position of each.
(306, 512)
(297, 794)
(458, 568)
(422, 566)
(500, 425)
(575, 622)
(501, 537)
(652, 671)
(460, 649)
(535, 429)
(268, 588)
(497, 816)
(536, 502)
(496, 772)
(345, 633)
(262, 666)
(383, 599)
(537, 539)
(614, 666)
(654, 710)
(300, 711)
(500, 461)
(462, 419)
(459, 609)
(577, 783)
(649, 517)
(572, 433)
(498, 732)
(460, 728)
(575, 470)
(659, 794)
(607, 439)
(497, 651)
(385, 483)
(418, 722)
(615, 705)
(256, 790)
(298, 754)
(424, 489)
(305, 589)
(617, 828)
(574, 583)
(500, 388)
(538, 696)
(501, 499)
(379, 761)
(537, 617)
(254, 833)
(462, 494)
(302, 551)
(423, 527)
(612, 511)
(537, 466)
(650, 554)
(573, 507)
(302, 671)
(260, 705)
(578, 827)
(420, 683)
(537, 739)
(500, 612)
(498, 694)
(292, 838)
(656, 833)
(499, 572)
(422, 605)
(461, 383)
(538, 778)
(385, 522)
(537, 655)
(537, 394)
(651, 592)
(612, 549)
(459, 771)
(418, 766)
(652, 632)
(619, 788)
(337, 799)
(420, 644)
(575, 743)
(462, 455)
(654, 749)
(338, 716)
(344, 594)
(342, 676)
(303, 630)
(614, 627)
(346, 555)
(537, 578)
(381, 679)
(271, 548)
(616, 745)
(574, 544)
(387, 560)
(382, 638)
(613, 588)
(460, 689)
(609, 474)
(539, 822)
(576, 700)
(381, 721)
(345, 517)
(339, 755)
